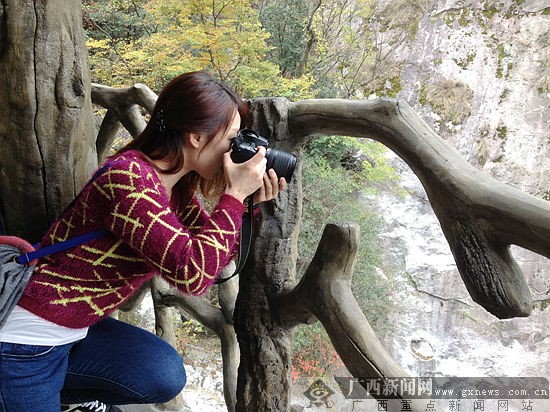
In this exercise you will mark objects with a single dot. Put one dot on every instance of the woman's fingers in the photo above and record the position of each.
(271, 188)
(244, 178)
(282, 184)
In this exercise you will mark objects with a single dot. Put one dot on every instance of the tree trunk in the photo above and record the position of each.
(47, 139)
(263, 382)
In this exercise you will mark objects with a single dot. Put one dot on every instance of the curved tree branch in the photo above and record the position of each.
(480, 216)
(122, 106)
(325, 292)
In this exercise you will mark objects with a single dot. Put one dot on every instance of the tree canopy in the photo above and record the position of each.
(173, 37)
(296, 49)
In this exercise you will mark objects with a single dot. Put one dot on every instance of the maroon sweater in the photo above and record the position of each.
(78, 287)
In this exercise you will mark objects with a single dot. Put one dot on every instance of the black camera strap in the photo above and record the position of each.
(245, 239)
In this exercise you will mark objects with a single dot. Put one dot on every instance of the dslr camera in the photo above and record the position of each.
(246, 144)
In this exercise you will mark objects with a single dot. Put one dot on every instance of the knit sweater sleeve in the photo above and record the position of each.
(137, 211)
(194, 216)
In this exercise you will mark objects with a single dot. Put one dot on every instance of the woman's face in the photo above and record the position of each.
(210, 155)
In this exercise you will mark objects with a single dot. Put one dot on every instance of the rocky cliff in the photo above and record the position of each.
(479, 73)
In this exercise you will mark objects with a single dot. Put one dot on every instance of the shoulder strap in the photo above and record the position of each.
(58, 247)
(25, 258)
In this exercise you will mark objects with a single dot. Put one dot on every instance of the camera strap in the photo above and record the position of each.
(245, 239)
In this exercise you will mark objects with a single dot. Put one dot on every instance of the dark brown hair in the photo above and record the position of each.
(191, 103)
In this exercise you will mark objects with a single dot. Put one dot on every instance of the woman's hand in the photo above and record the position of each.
(243, 179)
(271, 188)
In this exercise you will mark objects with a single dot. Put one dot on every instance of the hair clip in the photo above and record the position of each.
(159, 120)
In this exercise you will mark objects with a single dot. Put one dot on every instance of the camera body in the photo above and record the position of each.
(246, 144)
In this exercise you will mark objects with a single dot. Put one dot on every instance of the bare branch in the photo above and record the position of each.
(325, 292)
(480, 216)
(220, 321)
(108, 130)
(123, 106)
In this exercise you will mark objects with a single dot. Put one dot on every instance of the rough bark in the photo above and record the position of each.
(46, 136)
(264, 372)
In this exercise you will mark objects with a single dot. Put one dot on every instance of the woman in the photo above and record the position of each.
(58, 345)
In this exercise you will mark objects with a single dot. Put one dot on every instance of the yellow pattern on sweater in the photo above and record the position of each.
(76, 288)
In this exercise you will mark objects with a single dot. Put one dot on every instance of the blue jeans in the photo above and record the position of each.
(116, 363)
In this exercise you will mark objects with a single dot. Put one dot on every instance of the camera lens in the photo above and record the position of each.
(282, 162)
(245, 145)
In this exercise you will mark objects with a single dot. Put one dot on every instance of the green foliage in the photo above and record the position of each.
(364, 162)
(286, 21)
(337, 171)
(502, 131)
(504, 63)
(111, 29)
(114, 19)
(331, 193)
(465, 61)
(505, 93)
(490, 8)
(188, 333)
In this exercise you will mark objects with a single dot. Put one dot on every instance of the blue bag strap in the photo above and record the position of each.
(69, 243)
(58, 247)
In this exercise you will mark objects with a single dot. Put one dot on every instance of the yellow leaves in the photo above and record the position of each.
(221, 36)
(173, 11)
(224, 37)
(296, 88)
(97, 45)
